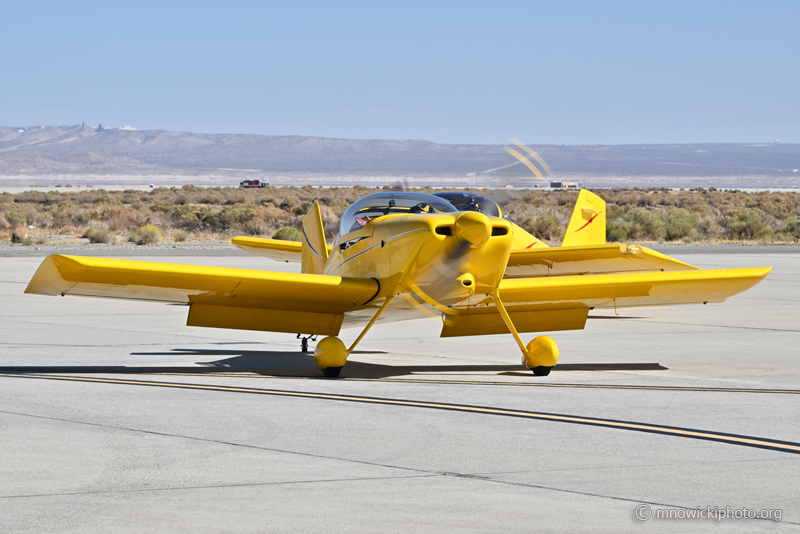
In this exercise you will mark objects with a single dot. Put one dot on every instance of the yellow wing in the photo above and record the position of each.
(563, 303)
(593, 259)
(218, 297)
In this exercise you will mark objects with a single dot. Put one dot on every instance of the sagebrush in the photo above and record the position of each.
(638, 215)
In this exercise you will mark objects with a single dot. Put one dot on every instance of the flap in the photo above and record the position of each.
(481, 324)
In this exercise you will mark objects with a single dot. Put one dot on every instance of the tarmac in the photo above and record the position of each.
(116, 417)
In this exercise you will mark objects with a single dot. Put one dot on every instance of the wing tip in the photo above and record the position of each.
(56, 275)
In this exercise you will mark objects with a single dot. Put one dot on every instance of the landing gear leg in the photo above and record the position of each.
(304, 341)
(331, 355)
(541, 354)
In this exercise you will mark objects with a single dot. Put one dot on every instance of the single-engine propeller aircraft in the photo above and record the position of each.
(405, 255)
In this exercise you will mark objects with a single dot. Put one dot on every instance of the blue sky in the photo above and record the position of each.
(454, 72)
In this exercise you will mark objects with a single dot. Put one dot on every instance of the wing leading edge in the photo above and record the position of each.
(563, 303)
(219, 297)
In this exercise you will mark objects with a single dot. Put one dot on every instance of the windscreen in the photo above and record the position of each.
(379, 204)
(471, 202)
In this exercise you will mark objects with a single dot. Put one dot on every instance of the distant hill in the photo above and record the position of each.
(56, 152)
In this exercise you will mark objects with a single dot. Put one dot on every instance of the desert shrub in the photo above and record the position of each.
(255, 227)
(289, 202)
(235, 215)
(21, 240)
(209, 218)
(185, 214)
(679, 224)
(288, 233)
(638, 223)
(709, 227)
(542, 227)
(615, 234)
(40, 219)
(15, 217)
(164, 206)
(792, 227)
(128, 219)
(180, 236)
(99, 235)
(747, 225)
(235, 198)
(147, 235)
(302, 209)
(65, 212)
(4, 223)
(212, 197)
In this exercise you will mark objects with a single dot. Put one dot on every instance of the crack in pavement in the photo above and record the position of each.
(212, 486)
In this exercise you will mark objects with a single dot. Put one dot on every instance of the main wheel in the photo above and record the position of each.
(541, 370)
(541, 354)
(330, 356)
(333, 372)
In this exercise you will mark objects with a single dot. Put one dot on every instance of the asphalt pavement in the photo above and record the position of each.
(116, 417)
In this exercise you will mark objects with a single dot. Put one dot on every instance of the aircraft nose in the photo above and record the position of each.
(474, 228)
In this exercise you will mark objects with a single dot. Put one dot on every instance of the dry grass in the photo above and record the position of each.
(194, 214)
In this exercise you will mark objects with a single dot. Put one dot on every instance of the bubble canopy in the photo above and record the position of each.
(471, 202)
(380, 204)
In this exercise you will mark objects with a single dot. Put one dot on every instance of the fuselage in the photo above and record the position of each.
(437, 259)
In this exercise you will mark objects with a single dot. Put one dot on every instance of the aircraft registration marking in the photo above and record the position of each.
(731, 439)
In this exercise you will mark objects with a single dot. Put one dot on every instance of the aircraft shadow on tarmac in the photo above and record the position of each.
(300, 364)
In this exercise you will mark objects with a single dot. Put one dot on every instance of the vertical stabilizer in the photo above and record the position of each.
(315, 249)
(588, 223)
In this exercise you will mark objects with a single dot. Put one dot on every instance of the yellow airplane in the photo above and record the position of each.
(405, 255)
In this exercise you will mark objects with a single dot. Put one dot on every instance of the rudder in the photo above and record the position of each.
(315, 249)
(588, 223)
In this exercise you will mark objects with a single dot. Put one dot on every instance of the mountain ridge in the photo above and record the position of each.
(75, 150)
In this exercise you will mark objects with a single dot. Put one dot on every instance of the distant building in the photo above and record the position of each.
(128, 128)
(254, 183)
(565, 185)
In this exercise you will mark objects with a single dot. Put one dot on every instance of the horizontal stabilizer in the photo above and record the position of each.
(523, 239)
(275, 249)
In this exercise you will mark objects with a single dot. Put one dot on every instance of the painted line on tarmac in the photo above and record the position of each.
(691, 433)
(490, 383)
(249, 374)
